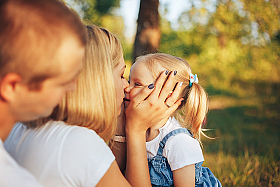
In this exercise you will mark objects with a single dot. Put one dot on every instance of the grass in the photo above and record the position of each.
(246, 151)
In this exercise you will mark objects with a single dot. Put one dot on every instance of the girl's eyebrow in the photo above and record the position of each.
(136, 79)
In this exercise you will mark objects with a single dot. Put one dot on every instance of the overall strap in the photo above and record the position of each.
(172, 133)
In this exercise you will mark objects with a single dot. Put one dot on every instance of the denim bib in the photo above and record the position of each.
(161, 174)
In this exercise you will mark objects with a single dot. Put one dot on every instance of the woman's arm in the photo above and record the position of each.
(145, 110)
(113, 177)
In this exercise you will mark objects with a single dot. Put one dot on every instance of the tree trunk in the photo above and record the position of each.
(148, 32)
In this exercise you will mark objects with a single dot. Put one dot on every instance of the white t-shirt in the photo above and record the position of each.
(60, 155)
(11, 174)
(180, 150)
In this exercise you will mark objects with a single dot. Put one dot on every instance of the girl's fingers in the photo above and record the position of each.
(175, 94)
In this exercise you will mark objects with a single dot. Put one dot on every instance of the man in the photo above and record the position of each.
(42, 45)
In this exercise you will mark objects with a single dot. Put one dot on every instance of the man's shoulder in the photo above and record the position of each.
(12, 174)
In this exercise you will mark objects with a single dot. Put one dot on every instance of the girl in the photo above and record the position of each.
(174, 153)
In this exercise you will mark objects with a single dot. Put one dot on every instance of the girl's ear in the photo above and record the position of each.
(8, 85)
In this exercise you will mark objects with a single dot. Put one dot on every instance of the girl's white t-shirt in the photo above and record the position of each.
(180, 150)
(60, 155)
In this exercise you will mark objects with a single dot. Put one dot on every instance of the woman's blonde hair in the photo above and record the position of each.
(93, 103)
(195, 105)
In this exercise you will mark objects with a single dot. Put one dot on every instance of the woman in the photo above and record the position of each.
(65, 149)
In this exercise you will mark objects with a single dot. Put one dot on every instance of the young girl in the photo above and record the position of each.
(174, 153)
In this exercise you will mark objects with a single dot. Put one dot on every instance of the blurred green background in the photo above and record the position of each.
(234, 47)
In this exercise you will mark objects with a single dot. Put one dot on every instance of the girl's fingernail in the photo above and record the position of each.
(175, 72)
(151, 86)
(166, 72)
(181, 83)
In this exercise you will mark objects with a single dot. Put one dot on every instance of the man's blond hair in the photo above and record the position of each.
(31, 32)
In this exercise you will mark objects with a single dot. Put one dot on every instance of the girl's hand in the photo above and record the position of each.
(153, 104)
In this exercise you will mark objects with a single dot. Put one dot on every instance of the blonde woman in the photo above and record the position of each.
(174, 153)
(68, 148)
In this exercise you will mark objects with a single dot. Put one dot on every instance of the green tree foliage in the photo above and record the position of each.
(101, 13)
(234, 48)
(96, 10)
(234, 45)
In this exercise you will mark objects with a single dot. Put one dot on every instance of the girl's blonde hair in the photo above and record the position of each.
(192, 112)
(93, 103)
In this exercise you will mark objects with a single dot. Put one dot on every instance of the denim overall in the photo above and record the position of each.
(161, 174)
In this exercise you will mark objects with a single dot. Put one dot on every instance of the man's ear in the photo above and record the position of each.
(8, 85)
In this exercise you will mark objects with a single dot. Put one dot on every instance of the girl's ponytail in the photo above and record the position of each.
(195, 108)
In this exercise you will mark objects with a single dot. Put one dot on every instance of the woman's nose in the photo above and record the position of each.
(127, 89)
(125, 84)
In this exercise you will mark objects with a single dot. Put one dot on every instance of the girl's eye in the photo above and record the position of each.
(128, 81)
(137, 84)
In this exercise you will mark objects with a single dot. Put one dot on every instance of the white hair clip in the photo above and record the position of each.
(193, 78)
